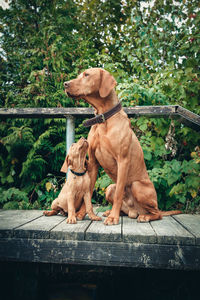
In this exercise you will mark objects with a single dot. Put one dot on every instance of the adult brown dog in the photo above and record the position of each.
(114, 146)
(77, 186)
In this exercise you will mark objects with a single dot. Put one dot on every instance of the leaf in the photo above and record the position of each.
(182, 199)
(177, 189)
(147, 154)
(192, 181)
(176, 166)
(193, 193)
(40, 193)
(9, 179)
(143, 127)
(105, 181)
(48, 186)
(173, 178)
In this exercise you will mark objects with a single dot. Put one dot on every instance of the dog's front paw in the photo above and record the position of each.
(95, 218)
(71, 220)
(106, 213)
(111, 221)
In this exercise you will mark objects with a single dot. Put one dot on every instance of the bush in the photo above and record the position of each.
(154, 63)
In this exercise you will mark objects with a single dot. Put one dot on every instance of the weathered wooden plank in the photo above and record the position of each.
(151, 111)
(64, 231)
(174, 111)
(100, 253)
(11, 219)
(97, 231)
(39, 228)
(191, 223)
(169, 231)
(132, 231)
(188, 118)
(46, 112)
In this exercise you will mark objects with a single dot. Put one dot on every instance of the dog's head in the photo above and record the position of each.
(76, 157)
(91, 81)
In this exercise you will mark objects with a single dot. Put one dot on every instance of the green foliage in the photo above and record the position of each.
(102, 183)
(179, 181)
(154, 63)
(14, 199)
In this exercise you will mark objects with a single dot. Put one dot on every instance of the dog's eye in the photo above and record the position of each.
(86, 74)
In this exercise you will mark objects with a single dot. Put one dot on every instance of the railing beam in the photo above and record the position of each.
(185, 116)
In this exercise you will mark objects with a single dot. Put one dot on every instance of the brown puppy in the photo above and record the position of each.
(114, 146)
(77, 186)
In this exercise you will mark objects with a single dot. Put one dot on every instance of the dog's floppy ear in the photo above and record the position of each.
(65, 165)
(107, 83)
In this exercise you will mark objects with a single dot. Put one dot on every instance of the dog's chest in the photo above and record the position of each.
(104, 153)
(78, 185)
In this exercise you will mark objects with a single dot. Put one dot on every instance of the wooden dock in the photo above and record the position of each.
(171, 243)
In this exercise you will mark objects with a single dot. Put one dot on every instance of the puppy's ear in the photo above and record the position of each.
(65, 165)
(107, 83)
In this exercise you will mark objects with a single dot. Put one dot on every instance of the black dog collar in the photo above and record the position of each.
(78, 174)
(103, 117)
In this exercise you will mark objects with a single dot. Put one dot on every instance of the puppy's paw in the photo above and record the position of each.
(111, 221)
(46, 213)
(49, 213)
(71, 220)
(95, 218)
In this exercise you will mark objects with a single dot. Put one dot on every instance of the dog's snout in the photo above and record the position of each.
(66, 84)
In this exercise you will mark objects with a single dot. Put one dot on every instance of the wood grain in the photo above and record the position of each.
(39, 228)
(11, 219)
(185, 116)
(171, 243)
(191, 223)
(138, 232)
(169, 231)
(97, 231)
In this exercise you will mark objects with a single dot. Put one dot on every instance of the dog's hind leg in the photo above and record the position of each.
(145, 201)
(125, 208)
(50, 212)
(55, 209)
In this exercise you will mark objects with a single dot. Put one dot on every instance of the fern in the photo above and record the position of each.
(33, 168)
(13, 194)
(21, 134)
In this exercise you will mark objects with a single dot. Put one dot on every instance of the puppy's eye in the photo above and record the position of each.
(86, 74)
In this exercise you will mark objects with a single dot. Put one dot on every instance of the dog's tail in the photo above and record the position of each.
(170, 213)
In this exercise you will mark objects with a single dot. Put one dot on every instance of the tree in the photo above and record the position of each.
(152, 49)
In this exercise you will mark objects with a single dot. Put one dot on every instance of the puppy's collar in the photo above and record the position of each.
(103, 117)
(78, 174)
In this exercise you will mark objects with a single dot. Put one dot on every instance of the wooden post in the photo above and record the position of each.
(70, 133)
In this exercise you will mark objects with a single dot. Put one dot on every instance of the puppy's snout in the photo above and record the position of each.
(66, 84)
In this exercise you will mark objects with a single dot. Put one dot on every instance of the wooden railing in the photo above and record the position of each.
(183, 115)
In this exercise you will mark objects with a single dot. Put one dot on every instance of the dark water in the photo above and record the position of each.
(56, 282)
